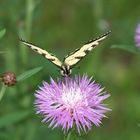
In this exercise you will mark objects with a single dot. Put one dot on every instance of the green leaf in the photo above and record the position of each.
(132, 49)
(2, 32)
(12, 118)
(28, 73)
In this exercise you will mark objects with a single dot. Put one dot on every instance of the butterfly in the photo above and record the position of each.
(72, 58)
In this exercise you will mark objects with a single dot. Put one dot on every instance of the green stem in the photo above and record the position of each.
(29, 16)
(67, 136)
(2, 91)
(98, 11)
(25, 33)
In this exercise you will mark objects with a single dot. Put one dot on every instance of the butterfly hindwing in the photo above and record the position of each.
(74, 58)
(44, 53)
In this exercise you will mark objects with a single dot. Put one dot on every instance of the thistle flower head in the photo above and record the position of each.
(71, 102)
(137, 36)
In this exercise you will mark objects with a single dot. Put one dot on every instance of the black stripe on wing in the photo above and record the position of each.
(94, 39)
(74, 57)
(52, 58)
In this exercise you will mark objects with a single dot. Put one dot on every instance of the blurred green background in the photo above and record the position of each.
(60, 27)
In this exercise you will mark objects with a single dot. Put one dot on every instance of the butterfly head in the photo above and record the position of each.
(65, 70)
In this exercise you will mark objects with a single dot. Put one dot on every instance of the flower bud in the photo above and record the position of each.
(8, 78)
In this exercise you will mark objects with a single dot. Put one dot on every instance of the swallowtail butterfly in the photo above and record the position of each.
(72, 58)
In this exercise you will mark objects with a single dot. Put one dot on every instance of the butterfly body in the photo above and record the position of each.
(65, 70)
(72, 58)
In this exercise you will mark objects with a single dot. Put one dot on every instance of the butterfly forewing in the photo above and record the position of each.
(44, 53)
(75, 57)
(71, 59)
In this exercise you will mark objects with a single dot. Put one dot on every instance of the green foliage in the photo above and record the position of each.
(2, 33)
(13, 117)
(128, 48)
(28, 74)
(60, 27)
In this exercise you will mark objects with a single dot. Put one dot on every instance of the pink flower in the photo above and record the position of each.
(137, 36)
(75, 101)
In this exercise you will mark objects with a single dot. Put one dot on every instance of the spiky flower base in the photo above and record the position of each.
(71, 101)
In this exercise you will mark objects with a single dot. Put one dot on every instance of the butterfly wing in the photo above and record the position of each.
(44, 53)
(74, 57)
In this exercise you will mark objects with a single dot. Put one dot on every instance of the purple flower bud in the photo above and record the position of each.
(137, 36)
